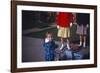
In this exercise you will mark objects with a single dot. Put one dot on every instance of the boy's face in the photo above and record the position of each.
(49, 36)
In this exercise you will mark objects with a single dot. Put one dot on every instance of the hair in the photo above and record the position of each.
(49, 33)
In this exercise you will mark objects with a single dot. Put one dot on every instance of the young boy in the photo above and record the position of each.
(64, 20)
(49, 46)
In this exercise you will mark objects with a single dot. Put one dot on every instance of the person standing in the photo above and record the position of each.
(64, 22)
(49, 46)
(83, 22)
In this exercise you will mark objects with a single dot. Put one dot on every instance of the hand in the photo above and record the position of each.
(57, 26)
(71, 24)
(46, 40)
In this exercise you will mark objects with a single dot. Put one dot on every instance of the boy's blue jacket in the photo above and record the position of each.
(49, 50)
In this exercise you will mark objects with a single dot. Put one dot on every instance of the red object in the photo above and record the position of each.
(64, 19)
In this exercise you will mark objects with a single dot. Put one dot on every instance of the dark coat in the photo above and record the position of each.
(83, 18)
(49, 50)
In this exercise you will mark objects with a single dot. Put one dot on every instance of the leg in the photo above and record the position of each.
(68, 46)
(62, 40)
(62, 43)
(84, 41)
(81, 37)
(68, 36)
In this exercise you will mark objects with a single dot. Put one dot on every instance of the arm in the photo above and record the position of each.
(54, 45)
(57, 16)
(72, 17)
(45, 43)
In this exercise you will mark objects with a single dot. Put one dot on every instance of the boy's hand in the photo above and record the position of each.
(46, 40)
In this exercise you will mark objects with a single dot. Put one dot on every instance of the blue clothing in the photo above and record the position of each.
(69, 54)
(78, 55)
(49, 50)
(74, 55)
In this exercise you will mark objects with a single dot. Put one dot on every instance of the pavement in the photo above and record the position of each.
(33, 51)
(32, 48)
